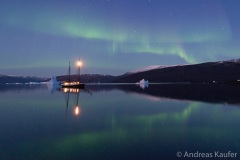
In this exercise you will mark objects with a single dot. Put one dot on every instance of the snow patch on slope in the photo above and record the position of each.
(146, 69)
(231, 60)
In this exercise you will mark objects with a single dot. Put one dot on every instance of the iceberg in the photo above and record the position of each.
(143, 83)
(53, 84)
(54, 81)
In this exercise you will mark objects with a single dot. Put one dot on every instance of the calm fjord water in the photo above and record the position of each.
(118, 122)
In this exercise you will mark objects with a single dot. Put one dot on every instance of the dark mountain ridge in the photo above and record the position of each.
(87, 78)
(209, 72)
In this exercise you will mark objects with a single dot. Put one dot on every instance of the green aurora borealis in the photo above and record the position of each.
(115, 36)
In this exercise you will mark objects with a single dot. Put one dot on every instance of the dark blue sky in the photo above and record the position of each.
(114, 36)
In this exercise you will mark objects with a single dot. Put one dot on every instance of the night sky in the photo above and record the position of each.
(39, 38)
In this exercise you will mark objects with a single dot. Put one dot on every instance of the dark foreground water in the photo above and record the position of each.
(120, 122)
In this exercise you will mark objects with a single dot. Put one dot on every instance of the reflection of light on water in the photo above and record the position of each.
(143, 85)
(77, 110)
(65, 90)
(72, 90)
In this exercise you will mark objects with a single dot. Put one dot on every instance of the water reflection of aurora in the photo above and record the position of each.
(187, 128)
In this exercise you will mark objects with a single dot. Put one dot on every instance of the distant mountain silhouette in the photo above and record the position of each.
(210, 72)
(87, 78)
(4, 79)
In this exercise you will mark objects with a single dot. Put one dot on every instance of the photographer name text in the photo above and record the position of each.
(216, 154)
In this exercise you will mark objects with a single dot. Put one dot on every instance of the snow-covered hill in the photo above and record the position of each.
(152, 67)
(209, 72)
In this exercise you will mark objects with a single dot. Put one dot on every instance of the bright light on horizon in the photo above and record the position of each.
(79, 63)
